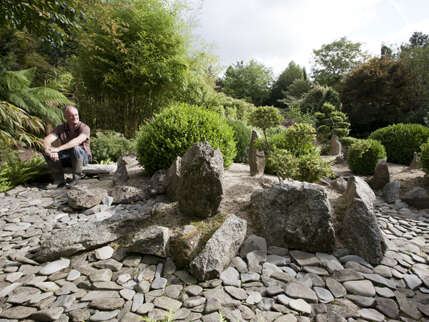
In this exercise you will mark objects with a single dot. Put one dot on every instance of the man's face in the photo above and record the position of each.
(72, 117)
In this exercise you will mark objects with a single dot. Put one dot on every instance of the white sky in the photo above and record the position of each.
(274, 32)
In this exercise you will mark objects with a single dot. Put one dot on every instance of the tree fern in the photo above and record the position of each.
(19, 128)
(38, 101)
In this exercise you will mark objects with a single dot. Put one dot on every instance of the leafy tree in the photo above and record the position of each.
(296, 92)
(135, 57)
(293, 72)
(419, 39)
(415, 56)
(313, 100)
(52, 20)
(331, 121)
(376, 94)
(265, 117)
(334, 60)
(250, 82)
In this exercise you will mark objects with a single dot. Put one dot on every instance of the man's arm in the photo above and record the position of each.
(47, 146)
(70, 144)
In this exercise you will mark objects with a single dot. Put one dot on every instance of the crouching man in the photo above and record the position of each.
(74, 150)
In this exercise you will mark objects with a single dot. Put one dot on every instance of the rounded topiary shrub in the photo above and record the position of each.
(424, 156)
(176, 129)
(363, 156)
(401, 141)
(242, 137)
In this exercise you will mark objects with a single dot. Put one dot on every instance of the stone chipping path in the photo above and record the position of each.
(264, 284)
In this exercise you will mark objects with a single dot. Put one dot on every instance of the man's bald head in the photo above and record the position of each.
(71, 114)
(70, 109)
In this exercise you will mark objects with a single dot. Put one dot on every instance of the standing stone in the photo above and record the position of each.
(391, 191)
(336, 147)
(173, 175)
(256, 157)
(359, 226)
(415, 163)
(200, 186)
(220, 249)
(295, 215)
(381, 175)
(123, 169)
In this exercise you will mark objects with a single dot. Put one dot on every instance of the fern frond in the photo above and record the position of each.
(49, 96)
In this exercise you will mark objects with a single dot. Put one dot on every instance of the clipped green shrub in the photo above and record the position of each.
(242, 137)
(401, 141)
(424, 156)
(110, 146)
(348, 140)
(14, 172)
(176, 129)
(363, 156)
(308, 167)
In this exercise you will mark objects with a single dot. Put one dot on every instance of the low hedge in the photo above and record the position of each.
(401, 141)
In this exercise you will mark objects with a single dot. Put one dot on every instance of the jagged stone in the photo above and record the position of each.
(183, 245)
(391, 191)
(152, 240)
(381, 175)
(417, 197)
(85, 198)
(90, 235)
(173, 175)
(416, 162)
(335, 146)
(127, 194)
(200, 187)
(301, 213)
(220, 249)
(359, 228)
(123, 169)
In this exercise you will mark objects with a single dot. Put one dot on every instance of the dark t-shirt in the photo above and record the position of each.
(65, 135)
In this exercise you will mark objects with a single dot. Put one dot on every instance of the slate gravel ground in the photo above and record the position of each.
(285, 285)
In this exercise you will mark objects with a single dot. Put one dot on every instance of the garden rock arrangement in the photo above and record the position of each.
(265, 282)
(100, 260)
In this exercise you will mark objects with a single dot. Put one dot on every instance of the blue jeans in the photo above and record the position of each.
(66, 156)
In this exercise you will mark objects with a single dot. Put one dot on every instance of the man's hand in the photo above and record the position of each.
(53, 156)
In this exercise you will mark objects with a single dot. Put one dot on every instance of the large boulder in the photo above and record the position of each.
(85, 198)
(417, 197)
(359, 228)
(296, 215)
(256, 157)
(220, 249)
(200, 186)
(90, 235)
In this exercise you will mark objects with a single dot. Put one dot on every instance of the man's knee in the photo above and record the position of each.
(78, 153)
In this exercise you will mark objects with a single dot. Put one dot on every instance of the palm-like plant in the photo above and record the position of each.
(25, 110)
(17, 127)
